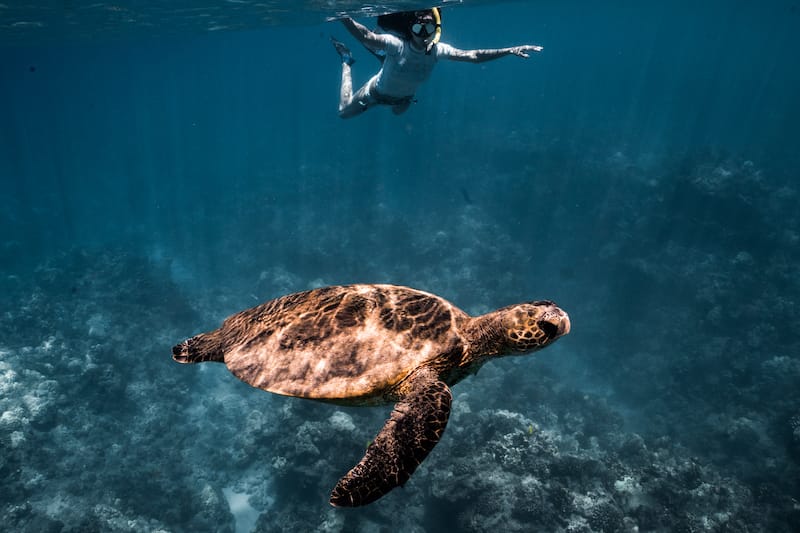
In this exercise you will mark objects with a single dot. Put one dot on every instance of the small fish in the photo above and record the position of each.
(465, 195)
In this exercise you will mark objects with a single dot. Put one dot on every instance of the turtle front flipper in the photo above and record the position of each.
(413, 429)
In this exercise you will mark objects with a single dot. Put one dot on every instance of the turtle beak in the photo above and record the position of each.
(564, 326)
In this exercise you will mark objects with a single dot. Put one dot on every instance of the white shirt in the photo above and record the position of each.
(405, 68)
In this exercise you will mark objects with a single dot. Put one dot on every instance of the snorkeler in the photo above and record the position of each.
(409, 49)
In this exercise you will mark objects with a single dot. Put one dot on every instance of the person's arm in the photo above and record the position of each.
(368, 38)
(479, 56)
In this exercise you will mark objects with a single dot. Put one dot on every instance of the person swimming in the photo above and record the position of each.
(409, 48)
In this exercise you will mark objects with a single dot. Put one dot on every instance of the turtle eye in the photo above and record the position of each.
(550, 329)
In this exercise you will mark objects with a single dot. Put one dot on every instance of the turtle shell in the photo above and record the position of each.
(350, 343)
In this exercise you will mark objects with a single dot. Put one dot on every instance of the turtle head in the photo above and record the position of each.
(531, 326)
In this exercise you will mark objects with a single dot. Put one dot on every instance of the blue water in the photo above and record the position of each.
(162, 169)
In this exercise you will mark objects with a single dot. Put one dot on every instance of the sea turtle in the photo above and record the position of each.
(370, 345)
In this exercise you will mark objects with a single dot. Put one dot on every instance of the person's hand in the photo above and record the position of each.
(522, 51)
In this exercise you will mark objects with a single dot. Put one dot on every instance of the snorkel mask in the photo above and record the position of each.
(423, 28)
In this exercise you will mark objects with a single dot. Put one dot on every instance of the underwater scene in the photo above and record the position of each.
(166, 166)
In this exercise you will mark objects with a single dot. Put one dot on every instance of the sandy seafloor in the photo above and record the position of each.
(642, 172)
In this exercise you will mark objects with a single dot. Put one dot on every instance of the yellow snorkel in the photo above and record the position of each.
(437, 33)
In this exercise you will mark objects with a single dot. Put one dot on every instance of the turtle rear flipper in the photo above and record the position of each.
(413, 429)
(200, 348)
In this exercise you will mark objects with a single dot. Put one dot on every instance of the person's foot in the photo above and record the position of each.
(343, 51)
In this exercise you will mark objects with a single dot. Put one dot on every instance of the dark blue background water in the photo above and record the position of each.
(126, 135)
(641, 171)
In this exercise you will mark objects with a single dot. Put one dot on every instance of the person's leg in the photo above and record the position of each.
(351, 106)
(399, 109)
(346, 89)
